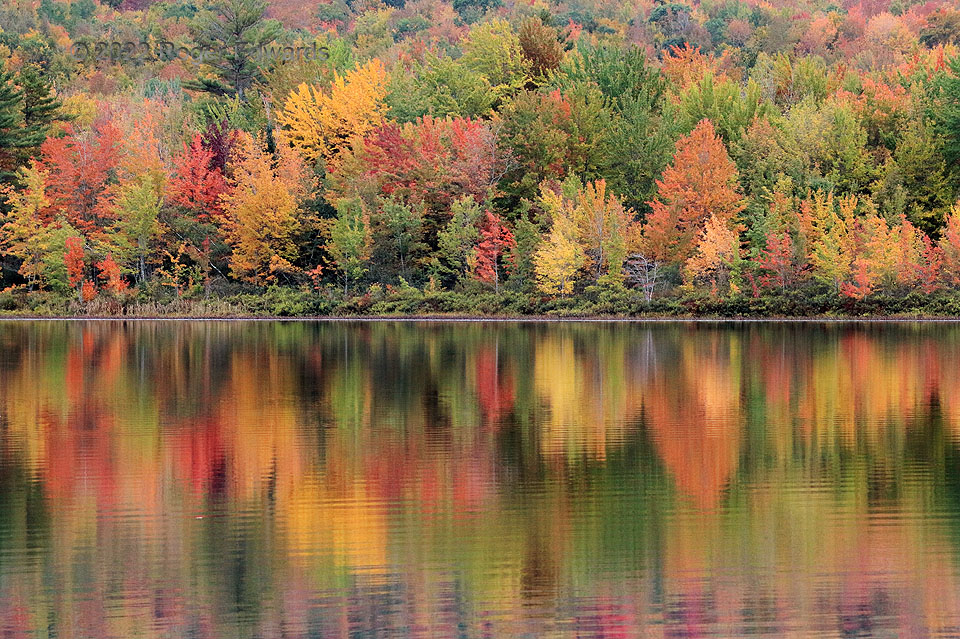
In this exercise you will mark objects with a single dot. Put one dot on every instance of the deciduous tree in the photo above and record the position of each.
(260, 213)
(560, 256)
(717, 253)
(950, 247)
(81, 168)
(456, 241)
(323, 123)
(496, 243)
(137, 220)
(777, 261)
(349, 243)
(197, 185)
(76, 266)
(24, 234)
(699, 183)
(110, 274)
(606, 228)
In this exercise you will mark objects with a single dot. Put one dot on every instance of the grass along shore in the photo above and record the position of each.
(592, 303)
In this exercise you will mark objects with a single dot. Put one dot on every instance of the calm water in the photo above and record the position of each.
(259, 479)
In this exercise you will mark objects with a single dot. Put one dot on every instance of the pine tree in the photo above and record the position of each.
(402, 226)
(11, 126)
(237, 32)
(40, 107)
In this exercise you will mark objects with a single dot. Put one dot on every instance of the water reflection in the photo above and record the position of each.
(232, 479)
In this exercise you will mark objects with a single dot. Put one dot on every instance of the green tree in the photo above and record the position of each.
(622, 75)
(643, 126)
(40, 107)
(723, 102)
(11, 126)
(233, 33)
(349, 244)
(439, 87)
(138, 211)
(946, 113)
(914, 181)
(527, 235)
(456, 240)
(401, 228)
(553, 136)
(492, 49)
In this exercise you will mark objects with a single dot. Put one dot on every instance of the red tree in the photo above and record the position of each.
(495, 240)
(431, 162)
(777, 261)
(73, 259)
(110, 273)
(80, 168)
(88, 291)
(197, 184)
(930, 266)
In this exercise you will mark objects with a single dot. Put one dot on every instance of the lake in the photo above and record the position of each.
(503, 479)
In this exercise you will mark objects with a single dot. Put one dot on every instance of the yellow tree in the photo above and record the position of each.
(561, 256)
(24, 234)
(717, 252)
(322, 124)
(950, 246)
(605, 227)
(260, 216)
(830, 253)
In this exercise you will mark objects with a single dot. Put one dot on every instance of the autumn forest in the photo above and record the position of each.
(485, 157)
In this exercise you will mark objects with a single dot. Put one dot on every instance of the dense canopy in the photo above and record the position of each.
(366, 156)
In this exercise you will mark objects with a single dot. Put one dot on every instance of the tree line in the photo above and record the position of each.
(723, 151)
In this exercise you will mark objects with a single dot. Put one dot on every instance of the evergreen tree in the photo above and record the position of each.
(11, 126)
(234, 33)
(40, 106)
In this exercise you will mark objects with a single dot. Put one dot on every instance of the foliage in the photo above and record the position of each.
(324, 123)
(566, 159)
(260, 213)
(197, 184)
(560, 256)
(716, 254)
(496, 243)
(700, 183)
(456, 241)
(137, 221)
(80, 168)
(350, 241)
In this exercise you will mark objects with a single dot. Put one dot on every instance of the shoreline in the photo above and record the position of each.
(531, 319)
